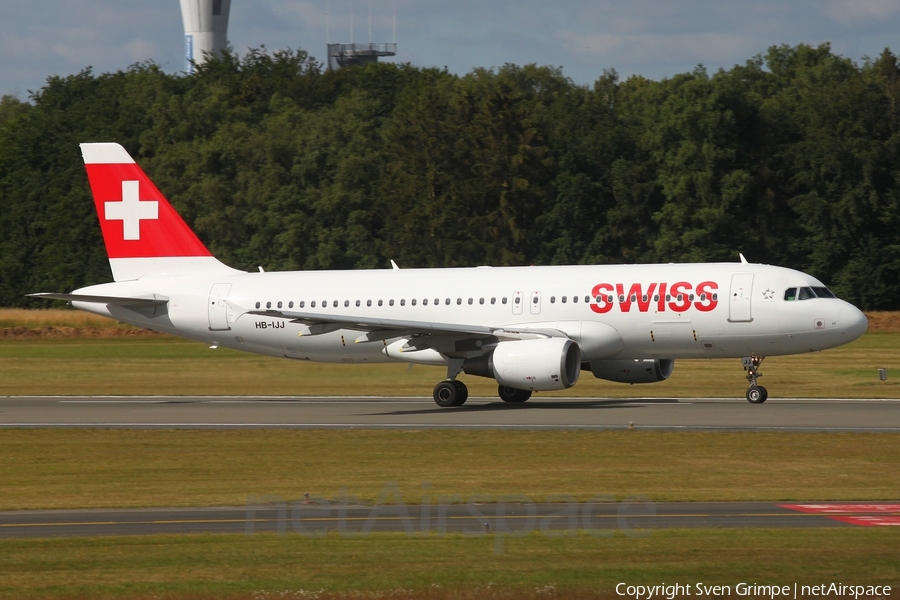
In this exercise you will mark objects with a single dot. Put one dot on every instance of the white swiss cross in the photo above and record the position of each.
(131, 210)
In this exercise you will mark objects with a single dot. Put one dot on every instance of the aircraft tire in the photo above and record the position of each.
(463, 392)
(757, 394)
(511, 394)
(447, 394)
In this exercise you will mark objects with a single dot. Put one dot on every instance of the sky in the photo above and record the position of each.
(653, 38)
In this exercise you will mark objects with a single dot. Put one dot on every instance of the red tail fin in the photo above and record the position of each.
(142, 232)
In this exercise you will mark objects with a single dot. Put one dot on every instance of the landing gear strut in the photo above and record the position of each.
(756, 394)
(511, 394)
(450, 393)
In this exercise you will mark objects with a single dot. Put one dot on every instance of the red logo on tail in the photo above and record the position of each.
(136, 219)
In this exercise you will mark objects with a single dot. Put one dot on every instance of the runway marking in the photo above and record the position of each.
(844, 508)
(889, 514)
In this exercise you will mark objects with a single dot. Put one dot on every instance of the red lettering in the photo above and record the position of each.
(679, 299)
(602, 291)
(707, 288)
(680, 289)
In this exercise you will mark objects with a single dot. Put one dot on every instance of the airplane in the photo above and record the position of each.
(529, 328)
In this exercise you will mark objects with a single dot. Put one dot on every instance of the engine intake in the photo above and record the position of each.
(537, 365)
(648, 370)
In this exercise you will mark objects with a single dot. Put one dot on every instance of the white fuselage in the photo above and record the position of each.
(739, 310)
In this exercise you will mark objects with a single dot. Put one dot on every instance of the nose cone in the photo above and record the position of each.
(852, 322)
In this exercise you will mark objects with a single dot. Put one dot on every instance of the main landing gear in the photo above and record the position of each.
(756, 394)
(511, 394)
(450, 393)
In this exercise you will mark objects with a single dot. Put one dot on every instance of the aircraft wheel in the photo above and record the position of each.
(447, 394)
(463, 392)
(511, 394)
(757, 394)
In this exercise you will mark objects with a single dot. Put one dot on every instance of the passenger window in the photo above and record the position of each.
(403, 302)
(587, 299)
(368, 303)
(494, 300)
(668, 297)
(358, 303)
(621, 298)
(806, 294)
(504, 300)
(335, 304)
(458, 301)
(471, 301)
(790, 294)
(346, 303)
(691, 297)
(381, 303)
(302, 303)
(553, 299)
(563, 299)
(634, 297)
(391, 302)
(413, 301)
(574, 298)
(715, 297)
(481, 301)
(279, 304)
(268, 305)
(257, 305)
(656, 297)
(447, 301)
(312, 304)
(518, 300)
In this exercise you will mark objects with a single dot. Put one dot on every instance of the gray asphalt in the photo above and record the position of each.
(727, 414)
(632, 518)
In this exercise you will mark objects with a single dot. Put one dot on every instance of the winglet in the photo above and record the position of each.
(394, 265)
(743, 260)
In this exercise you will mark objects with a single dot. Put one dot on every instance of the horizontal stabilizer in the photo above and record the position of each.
(154, 300)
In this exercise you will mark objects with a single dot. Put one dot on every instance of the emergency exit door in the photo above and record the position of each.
(739, 304)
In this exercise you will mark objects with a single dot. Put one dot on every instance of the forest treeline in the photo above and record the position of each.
(792, 158)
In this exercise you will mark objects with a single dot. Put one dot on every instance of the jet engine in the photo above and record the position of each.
(537, 365)
(648, 370)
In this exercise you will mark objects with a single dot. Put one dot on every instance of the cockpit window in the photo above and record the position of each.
(807, 293)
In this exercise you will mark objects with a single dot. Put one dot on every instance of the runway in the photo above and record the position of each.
(634, 518)
(682, 414)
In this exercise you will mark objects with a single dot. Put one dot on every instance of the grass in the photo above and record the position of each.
(453, 566)
(53, 317)
(74, 468)
(126, 366)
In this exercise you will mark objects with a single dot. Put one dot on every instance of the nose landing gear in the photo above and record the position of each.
(756, 394)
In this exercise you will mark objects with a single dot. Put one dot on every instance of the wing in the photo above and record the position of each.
(448, 338)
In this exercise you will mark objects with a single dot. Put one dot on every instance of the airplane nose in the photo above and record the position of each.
(852, 322)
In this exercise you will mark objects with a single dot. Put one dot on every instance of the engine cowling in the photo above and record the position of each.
(648, 370)
(537, 365)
